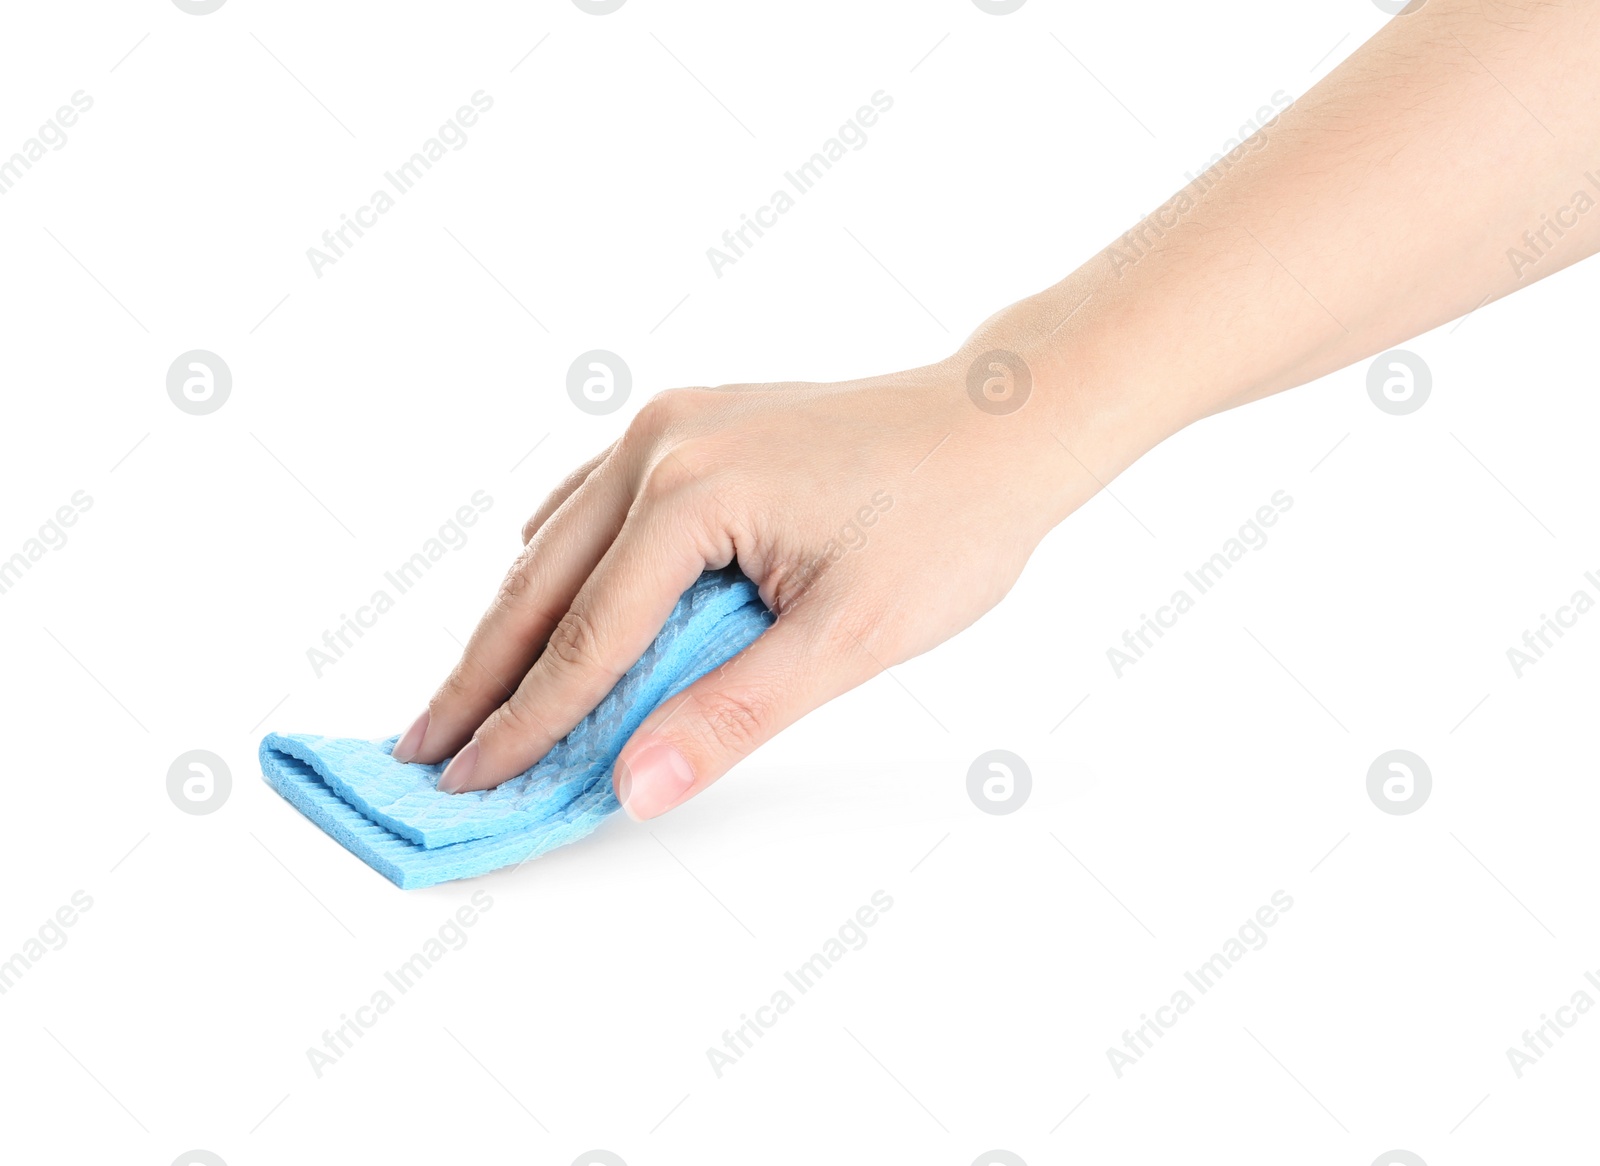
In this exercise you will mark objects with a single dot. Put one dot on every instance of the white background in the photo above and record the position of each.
(371, 402)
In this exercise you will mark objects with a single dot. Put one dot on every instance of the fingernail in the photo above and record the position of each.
(459, 771)
(406, 747)
(653, 780)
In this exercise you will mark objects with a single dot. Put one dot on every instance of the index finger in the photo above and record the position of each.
(612, 620)
(534, 595)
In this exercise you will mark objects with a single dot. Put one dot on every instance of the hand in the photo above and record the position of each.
(881, 516)
(878, 517)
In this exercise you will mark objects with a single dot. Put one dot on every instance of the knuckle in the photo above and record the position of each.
(661, 414)
(456, 687)
(669, 407)
(734, 721)
(517, 581)
(652, 420)
(513, 719)
(574, 644)
(668, 478)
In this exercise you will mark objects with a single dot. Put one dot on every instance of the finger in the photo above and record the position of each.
(561, 493)
(797, 665)
(611, 621)
(533, 597)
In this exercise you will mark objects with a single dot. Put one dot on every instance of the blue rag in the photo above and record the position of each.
(389, 814)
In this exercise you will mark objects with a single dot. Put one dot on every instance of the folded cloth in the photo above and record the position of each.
(390, 815)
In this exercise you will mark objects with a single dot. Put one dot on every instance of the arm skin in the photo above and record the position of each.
(1384, 203)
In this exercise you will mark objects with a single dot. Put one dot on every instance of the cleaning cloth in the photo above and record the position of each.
(390, 815)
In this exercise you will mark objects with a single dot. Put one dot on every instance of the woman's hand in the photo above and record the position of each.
(878, 517)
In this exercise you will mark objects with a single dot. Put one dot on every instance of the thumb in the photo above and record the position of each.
(698, 735)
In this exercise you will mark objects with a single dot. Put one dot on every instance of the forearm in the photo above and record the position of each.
(1451, 160)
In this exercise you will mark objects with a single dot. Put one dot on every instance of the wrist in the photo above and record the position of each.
(1046, 383)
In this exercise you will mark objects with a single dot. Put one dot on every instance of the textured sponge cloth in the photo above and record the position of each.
(391, 817)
